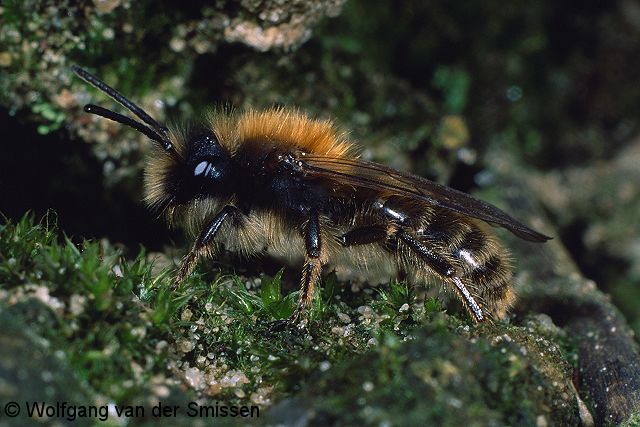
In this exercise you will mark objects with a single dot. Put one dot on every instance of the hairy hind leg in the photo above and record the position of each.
(389, 234)
(448, 273)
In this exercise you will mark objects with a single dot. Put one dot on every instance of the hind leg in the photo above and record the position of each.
(447, 272)
(389, 234)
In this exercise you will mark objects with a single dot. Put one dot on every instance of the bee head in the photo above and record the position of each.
(181, 168)
(207, 166)
(199, 168)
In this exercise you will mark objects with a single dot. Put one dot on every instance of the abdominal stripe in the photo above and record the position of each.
(473, 241)
(490, 272)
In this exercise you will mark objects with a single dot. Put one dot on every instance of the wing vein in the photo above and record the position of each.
(360, 173)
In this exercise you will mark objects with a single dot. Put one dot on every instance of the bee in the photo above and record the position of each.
(278, 180)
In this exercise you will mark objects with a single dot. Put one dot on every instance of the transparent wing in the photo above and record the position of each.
(359, 173)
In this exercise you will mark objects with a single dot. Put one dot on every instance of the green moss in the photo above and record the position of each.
(493, 375)
(122, 326)
(632, 421)
(364, 358)
(99, 323)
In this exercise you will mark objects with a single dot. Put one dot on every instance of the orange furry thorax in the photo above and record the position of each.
(287, 127)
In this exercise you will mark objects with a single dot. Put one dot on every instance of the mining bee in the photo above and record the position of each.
(278, 180)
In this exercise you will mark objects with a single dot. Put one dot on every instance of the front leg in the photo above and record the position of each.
(205, 238)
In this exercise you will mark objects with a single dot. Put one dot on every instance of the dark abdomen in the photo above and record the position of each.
(477, 256)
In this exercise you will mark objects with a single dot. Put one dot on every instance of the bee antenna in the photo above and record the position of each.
(156, 132)
(117, 117)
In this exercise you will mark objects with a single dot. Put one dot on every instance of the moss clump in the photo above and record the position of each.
(131, 338)
(81, 300)
(366, 357)
(492, 375)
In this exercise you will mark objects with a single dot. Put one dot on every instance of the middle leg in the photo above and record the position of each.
(314, 258)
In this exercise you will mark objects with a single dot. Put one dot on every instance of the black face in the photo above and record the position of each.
(207, 169)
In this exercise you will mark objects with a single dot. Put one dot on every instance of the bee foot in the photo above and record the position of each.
(278, 326)
(294, 322)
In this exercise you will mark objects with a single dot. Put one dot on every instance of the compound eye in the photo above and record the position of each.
(206, 169)
(201, 168)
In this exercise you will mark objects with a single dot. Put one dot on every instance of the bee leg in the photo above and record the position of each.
(378, 233)
(310, 276)
(443, 268)
(313, 260)
(205, 238)
(370, 234)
